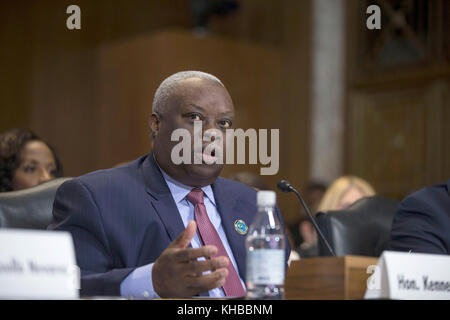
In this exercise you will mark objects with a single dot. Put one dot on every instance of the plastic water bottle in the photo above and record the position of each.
(265, 246)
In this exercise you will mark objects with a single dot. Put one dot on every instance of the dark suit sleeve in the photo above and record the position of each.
(75, 211)
(415, 228)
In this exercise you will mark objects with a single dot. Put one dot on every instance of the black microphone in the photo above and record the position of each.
(285, 186)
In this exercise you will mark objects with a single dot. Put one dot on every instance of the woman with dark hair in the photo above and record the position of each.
(26, 160)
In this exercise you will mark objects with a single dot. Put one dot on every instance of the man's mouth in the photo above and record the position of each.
(206, 158)
(209, 158)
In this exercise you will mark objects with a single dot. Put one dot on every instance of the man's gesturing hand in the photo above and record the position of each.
(177, 273)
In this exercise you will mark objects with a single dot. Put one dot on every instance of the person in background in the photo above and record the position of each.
(304, 234)
(313, 194)
(342, 193)
(422, 221)
(26, 160)
(308, 247)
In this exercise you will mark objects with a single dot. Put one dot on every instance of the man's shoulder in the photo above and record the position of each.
(422, 221)
(430, 194)
(430, 200)
(231, 190)
(105, 179)
(235, 188)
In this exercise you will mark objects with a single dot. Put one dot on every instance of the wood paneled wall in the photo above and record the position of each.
(129, 79)
(398, 114)
(53, 80)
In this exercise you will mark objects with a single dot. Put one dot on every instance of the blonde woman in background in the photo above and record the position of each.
(341, 194)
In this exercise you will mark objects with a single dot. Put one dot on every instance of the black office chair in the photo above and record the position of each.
(362, 229)
(29, 208)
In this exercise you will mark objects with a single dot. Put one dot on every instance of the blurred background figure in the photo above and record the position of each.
(313, 194)
(26, 160)
(309, 245)
(304, 235)
(342, 193)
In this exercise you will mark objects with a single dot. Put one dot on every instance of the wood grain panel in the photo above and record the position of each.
(51, 82)
(266, 92)
(14, 84)
(316, 279)
(129, 79)
(328, 278)
(296, 101)
(396, 134)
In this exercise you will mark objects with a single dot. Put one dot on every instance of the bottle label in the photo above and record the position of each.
(265, 266)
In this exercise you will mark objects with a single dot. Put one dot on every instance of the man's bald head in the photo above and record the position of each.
(167, 88)
(180, 101)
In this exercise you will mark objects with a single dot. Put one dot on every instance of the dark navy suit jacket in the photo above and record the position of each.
(422, 222)
(123, 218)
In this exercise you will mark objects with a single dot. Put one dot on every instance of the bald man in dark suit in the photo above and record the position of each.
(133, 226)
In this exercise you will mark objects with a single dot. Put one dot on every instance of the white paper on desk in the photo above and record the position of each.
(410, 276)
(37, 265)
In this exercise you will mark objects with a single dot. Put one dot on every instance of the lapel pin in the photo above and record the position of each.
(240, 226)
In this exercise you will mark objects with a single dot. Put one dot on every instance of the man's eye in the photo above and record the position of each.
(225, 124)
(195, 117)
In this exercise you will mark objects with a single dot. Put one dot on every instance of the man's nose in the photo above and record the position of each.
(209, 124)
(213, 127)
(212, 134)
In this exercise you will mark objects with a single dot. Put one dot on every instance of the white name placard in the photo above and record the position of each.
(410, 276)
(37, 265)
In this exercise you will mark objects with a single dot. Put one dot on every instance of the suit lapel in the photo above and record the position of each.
(230, 210)
(161, 198)
(228, 204)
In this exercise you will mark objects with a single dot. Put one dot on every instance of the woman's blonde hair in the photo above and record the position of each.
(339, 187)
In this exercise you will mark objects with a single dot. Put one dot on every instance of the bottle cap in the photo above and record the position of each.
(266, 198)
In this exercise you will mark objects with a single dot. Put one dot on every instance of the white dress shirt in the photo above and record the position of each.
(139, 283)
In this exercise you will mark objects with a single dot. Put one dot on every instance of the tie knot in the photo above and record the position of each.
(195, 196)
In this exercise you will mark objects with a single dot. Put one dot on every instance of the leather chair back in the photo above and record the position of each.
(29, 208)
(362, 229)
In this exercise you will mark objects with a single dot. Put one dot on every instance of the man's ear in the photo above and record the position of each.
(154, 121)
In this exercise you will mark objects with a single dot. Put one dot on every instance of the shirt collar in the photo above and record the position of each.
(179, 190)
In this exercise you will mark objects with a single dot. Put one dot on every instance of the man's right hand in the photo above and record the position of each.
(178, 274)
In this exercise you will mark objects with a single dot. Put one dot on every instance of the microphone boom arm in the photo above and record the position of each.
(313, 222)
(285, 186)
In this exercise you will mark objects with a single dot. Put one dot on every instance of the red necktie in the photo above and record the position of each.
(209, 236)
